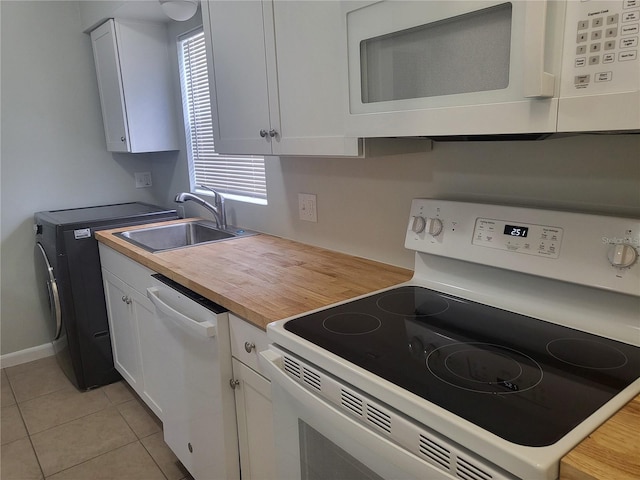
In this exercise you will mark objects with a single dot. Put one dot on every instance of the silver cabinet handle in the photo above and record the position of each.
(126, 300)
(233, 383)
(248, 346)
(122, 139)
(263, 133)
(273, 133)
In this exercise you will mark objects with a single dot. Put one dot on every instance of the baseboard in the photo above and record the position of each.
(26, 355)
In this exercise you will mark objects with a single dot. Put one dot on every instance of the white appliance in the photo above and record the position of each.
(440, 68)
(199, 417)
(516, 338)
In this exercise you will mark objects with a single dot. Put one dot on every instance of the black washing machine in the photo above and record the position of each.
(69, 279)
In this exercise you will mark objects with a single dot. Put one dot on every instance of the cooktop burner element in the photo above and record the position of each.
(484, 368)
(587, 353)
(526, 380)
(412, 304)
(351, 323)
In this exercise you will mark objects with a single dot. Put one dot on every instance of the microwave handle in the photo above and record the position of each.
(537, 82)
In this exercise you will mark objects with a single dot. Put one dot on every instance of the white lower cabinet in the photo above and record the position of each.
(136, 338)
(253, 402)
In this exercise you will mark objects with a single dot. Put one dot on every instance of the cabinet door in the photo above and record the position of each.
(255, 424)
(148, 86)
(124, 332)
(105, 54)
(244, 87)
(312, 81)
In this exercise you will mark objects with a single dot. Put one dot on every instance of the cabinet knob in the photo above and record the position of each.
(273, 133)
(263, 133)
(122, 139)
(233, 383)
(126, 300)
(248, 346)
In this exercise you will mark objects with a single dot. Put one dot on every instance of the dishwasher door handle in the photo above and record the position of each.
(204, 329)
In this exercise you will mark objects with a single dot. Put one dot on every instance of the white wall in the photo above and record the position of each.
(363, 204)
(53, 148)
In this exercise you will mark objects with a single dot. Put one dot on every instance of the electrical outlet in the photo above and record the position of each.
(307, 207)
(143, 179)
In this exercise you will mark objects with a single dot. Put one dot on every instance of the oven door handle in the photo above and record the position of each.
(272, 363)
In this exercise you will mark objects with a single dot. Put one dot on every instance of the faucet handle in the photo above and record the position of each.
(219, 199)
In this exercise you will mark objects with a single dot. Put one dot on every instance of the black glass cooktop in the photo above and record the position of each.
(525, 380)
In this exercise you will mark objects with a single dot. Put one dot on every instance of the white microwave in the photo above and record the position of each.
(456, 67)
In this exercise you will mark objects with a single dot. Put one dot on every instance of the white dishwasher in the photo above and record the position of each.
(199, 411)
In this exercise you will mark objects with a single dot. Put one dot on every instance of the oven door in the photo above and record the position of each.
(315, 440)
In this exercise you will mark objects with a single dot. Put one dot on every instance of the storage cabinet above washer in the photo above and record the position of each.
(134, 83)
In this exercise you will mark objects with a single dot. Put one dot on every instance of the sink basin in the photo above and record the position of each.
(179, 235)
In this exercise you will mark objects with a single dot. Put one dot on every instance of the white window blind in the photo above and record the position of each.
(241, 176)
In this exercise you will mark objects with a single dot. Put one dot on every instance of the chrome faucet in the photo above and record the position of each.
(217, 209)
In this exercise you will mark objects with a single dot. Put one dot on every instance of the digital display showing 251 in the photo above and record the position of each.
(516, 231)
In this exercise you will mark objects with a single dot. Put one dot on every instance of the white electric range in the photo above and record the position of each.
(518, 335)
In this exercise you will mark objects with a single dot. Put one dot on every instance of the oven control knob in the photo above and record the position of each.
(434, 226)
(622, 255)
(418, 224)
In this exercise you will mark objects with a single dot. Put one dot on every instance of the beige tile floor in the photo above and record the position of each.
(50, 430)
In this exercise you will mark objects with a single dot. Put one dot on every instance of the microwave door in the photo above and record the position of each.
(449, 68)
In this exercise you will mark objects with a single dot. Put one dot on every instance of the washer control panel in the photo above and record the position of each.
(595, 250)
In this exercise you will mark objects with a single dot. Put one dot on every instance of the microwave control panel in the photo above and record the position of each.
(601, 47)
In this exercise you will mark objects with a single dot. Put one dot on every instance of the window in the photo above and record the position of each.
(238, 177)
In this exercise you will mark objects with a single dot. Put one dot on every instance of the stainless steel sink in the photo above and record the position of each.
(179, 235)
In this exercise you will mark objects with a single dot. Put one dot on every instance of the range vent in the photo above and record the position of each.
(378, 418)
(469, 471)
(292, 367)
(350, 401)
(432, 448)
(435, 452)
(312, 379)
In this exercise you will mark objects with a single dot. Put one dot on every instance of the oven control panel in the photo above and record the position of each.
(594, 250)
(541, 240)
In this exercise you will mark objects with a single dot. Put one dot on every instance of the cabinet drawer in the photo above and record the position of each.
(135, 274)
(246, 341)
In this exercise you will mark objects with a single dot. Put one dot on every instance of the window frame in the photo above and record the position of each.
(247, 169)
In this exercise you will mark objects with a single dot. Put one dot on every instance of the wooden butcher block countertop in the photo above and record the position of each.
(263, 278)
(612, 452)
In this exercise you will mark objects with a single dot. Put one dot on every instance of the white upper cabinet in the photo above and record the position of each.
(278, 77)
(134, 82)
